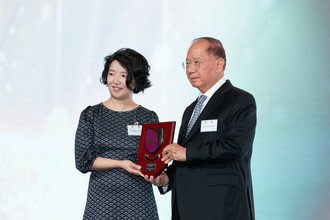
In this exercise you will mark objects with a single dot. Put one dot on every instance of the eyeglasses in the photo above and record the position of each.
(195, 63)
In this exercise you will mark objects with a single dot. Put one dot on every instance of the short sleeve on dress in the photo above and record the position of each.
(154, 117)
(85, 153)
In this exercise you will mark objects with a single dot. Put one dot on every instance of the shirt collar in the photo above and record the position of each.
(214, 88)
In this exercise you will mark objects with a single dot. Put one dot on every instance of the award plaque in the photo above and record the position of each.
(154, 138)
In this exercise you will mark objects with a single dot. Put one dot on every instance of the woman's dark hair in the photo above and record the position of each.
(134, 63)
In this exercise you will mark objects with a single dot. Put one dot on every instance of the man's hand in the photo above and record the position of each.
(174, 152)
(160, 181)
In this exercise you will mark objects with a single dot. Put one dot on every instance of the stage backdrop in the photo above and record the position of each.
(51, 58)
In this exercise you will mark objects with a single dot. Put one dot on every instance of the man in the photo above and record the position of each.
(210, 176)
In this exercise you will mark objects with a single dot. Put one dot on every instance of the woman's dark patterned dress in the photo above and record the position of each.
(113, 194)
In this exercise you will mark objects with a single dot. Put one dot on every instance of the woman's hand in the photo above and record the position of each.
(102, 163)
(131, 167)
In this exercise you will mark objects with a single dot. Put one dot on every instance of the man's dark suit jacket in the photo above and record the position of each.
(215, 182)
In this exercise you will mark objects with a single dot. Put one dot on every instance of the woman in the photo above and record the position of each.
(106, 146)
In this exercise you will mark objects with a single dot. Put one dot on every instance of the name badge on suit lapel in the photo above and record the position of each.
(209, 125)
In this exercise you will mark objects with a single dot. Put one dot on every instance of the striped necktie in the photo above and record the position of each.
(197, 112)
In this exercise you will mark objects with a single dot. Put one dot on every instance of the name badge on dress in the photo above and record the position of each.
(209, 125)
(134, 130)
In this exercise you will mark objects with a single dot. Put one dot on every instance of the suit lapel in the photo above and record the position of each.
(216, 100)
